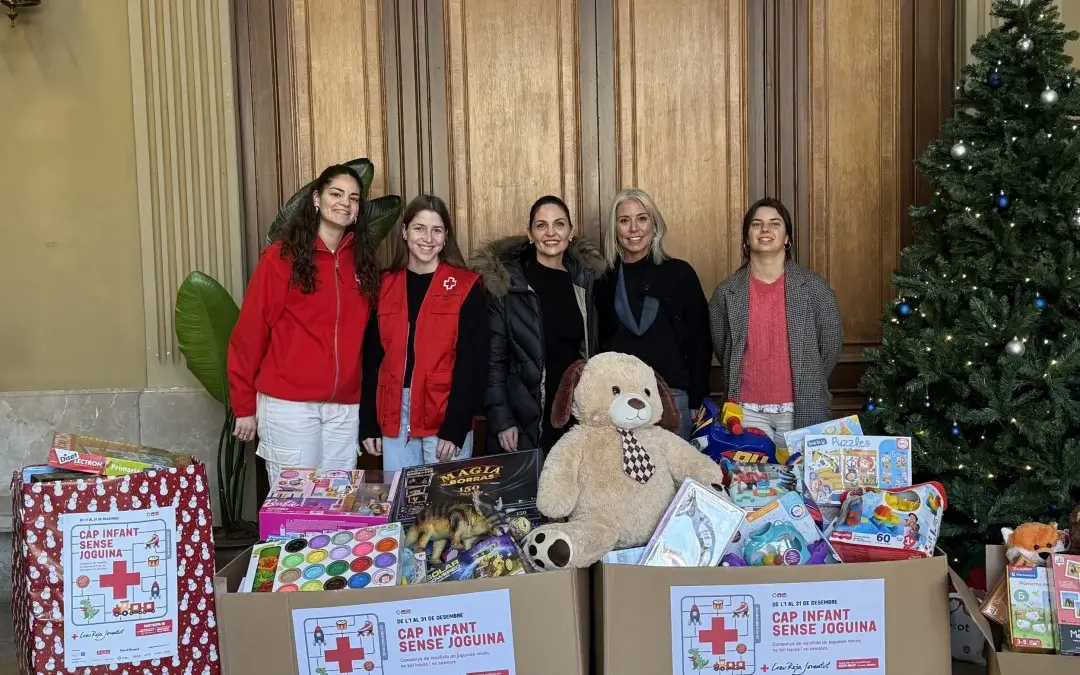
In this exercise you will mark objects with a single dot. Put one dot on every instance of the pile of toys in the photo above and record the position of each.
(832, 495)
(1036, 602)
(334, 530)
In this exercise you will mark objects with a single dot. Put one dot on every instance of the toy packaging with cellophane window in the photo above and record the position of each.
(781, 533)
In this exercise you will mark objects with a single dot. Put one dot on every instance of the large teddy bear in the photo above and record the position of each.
(615, 472)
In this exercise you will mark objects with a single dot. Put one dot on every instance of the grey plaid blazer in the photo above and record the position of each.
(815, 336)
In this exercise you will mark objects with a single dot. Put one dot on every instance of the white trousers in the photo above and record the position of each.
(306, 435)
(773, 424)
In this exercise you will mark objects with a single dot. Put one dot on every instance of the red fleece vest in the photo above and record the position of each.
(434, 349)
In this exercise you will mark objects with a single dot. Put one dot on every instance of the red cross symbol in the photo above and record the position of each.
(344, 654)
(764, 668)
(718, 636)
(119, 580)
(449, 283)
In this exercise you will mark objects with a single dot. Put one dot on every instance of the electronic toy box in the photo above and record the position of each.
(752, 486)
(836, 463)
(879, 525)
(310, 501)
(796, 439)
(718, 432)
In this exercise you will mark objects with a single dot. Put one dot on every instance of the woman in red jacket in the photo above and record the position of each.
(294, 355)
(425, 356)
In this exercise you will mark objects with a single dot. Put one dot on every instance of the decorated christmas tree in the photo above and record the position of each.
(980, 353)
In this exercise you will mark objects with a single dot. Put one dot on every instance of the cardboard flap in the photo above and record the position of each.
(971, 604)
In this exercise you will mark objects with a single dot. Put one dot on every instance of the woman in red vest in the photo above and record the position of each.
(426, 350)
(294, 355)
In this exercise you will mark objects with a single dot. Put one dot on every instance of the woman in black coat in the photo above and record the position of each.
(652, 306)
(542, 319)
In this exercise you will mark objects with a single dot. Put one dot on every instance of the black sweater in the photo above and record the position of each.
(470, 362)
(678, 346)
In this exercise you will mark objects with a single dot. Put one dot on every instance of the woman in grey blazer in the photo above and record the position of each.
(776, 329)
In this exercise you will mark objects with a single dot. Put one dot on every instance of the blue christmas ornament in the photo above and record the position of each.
(1002, 201)
(903, 309)
(955, 430)
(1040, 302)
(994, 79)
(870, 405)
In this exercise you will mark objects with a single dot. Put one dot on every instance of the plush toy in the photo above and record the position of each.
(1074, 531)
(615, 472)
(1032, 543)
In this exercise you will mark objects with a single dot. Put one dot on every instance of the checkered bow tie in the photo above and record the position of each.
(636, 463)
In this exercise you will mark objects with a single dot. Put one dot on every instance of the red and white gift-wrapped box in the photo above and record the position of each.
(114, 575)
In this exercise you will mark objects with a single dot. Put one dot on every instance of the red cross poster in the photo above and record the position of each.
(821, 628)
(120, 580)
(466, 633)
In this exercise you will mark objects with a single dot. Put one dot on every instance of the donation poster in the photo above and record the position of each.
(817, 628)
(120, 599)
(467, 633)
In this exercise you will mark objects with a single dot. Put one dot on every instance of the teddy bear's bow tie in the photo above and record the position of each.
(635, 460)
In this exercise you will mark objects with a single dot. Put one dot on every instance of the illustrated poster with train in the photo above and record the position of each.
(120, 575)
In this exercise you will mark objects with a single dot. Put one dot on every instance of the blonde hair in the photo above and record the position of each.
(612, 250)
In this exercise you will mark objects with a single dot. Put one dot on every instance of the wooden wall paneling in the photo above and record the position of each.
(778, 110)
(338, 86)
(680, 120)
(513, 101)
(414, 74)
(928, 51)
(265, 105)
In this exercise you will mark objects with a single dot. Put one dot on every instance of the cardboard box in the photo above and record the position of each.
(1008, 663)
(549, 614)
(636, 634)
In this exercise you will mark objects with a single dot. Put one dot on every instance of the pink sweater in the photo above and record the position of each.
(766, 375)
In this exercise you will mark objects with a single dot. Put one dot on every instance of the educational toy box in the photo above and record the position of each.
(1031, 616)
(837, 463)
(876, 524)
(74, 452)
(308, 501)
(1065, 579)
(110, 571)
(796, 439)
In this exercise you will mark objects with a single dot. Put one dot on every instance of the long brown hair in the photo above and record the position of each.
(299, 233)
(399, 250)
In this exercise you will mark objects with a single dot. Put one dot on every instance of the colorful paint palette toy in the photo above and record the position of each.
(368, 556)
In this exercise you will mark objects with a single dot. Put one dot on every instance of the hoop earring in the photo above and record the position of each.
(787, 246)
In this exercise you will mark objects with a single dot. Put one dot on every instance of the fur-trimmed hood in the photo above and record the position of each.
(499, 262)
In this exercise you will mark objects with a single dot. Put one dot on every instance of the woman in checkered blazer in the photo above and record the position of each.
(776, 329)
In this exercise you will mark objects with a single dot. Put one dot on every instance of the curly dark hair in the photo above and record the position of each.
(299, 233)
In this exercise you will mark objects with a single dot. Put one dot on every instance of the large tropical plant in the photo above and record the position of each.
(205, 315)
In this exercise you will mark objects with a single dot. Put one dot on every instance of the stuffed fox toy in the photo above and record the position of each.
(1031, 544)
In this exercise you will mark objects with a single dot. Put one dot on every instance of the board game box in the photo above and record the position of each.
(75, 452)
(837, 463)
(309, 501)
(796, 439)
(1030, 624)
(695, 529)
(1065, 577)
(480, 496)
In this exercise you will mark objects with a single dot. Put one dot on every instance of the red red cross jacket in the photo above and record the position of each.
(435, 349)
(299, 347)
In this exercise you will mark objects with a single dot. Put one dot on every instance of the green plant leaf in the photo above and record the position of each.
(204, 318)
(381, 213)
(362, 166)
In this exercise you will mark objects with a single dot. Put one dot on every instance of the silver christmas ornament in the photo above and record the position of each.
(1075, 219)
(1015, 348)
(1048, 97)
(959, 151)
(1025, 45)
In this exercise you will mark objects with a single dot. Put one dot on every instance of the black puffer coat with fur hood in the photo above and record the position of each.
(516, 374)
